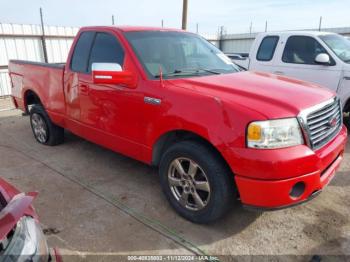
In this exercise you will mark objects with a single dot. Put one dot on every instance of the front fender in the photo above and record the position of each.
(222, 124)
(201, 115)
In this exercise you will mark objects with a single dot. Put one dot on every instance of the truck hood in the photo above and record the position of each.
(271, 95)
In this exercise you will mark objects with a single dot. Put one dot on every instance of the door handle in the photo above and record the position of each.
(278, 73)
(84, 89)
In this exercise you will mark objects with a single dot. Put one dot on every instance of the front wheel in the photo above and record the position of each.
(346, 118)
(197, 182)
(45, 132)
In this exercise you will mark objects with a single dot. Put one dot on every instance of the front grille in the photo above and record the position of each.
(324, 123)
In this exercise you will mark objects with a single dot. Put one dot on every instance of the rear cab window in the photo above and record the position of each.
(267, 48)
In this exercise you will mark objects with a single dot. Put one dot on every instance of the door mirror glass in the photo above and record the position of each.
(323, 59)
(111, 73)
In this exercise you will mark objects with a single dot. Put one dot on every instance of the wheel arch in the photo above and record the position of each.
(31, 98)
(347, 105)
(171, 137)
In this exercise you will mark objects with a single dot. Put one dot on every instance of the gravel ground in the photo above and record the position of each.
(94, 201)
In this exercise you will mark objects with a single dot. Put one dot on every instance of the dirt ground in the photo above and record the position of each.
(94, 201)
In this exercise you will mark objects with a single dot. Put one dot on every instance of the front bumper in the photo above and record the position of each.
(319, 167)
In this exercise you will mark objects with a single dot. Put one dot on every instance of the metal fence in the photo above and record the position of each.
(5, 87)
(25, 42)
(241, 43)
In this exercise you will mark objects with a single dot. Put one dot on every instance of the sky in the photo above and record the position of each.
(235, 15)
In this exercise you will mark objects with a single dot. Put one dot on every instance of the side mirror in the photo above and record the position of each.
(323, 59)
(112, 74)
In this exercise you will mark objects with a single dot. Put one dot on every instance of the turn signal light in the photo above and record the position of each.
(254, 132)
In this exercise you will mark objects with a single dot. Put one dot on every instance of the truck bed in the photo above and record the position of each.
(25, 62)
(43, 79)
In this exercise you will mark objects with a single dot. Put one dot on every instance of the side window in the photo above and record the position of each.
(267, 48)
(81, 52)
(302, 50)
(106, 49)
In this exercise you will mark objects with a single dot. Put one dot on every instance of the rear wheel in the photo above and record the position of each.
(45, 132)
(197, 182)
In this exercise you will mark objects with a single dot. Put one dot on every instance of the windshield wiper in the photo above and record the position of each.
(195, 71)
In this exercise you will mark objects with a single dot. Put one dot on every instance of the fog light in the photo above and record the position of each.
(297, 190)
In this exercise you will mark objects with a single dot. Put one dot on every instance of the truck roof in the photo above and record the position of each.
(131, 28)
(308, 33)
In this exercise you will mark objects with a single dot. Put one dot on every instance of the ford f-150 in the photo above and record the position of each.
(171, 99)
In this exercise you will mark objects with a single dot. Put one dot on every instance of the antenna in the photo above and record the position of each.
(161, 76)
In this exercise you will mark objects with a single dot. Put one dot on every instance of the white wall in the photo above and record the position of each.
(24, 42)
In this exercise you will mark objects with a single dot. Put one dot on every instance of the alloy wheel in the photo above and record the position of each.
(39, 128)
(189, 184)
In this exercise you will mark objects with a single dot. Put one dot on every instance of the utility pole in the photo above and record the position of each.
(266, 26)
(221, 37)
(251, 27)
(184, 14)
(113, 20)
(197, 28)
(320, 24)
(43, 36)
(162, 23)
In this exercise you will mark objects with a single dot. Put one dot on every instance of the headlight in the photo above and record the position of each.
(28, 242)
(274, 134)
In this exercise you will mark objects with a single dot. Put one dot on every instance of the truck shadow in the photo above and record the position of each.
(329, 230)
(342, 179)
(137, 186)
(80, 216)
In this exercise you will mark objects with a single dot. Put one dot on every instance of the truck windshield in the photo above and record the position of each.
(339, 45)
(178, 54)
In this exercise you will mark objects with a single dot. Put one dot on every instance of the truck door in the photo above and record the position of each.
(75, 70)
(298, 60)
(111, 114)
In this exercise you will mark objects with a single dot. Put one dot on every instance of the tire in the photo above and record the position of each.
(45, 132)
(346, 119)
(204, 174)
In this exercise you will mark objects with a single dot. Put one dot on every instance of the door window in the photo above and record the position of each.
(106, 49)
(302, 50)
(81, 52)
(267, 48)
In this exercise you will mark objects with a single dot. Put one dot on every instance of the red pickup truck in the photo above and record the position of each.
(171, 99)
